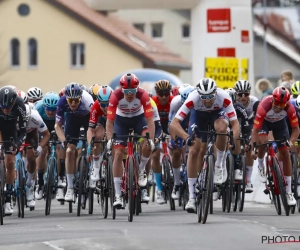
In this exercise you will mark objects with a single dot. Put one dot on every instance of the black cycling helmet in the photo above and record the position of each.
(8, 97)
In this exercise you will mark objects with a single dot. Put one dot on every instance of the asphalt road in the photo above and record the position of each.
(156, 228)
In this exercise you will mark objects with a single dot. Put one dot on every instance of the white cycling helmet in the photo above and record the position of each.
(242, 86)
(23, 95)
(298, 102)
(206, 86)
(35, 94)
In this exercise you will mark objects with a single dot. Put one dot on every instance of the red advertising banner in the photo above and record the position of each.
(218, 20)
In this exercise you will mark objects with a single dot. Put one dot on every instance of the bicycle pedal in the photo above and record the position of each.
(266, 191)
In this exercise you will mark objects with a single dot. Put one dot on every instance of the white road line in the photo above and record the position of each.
(53, 246)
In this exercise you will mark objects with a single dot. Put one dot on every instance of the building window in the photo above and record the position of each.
(157, 30)
(32, 52)
(15, 52)
(140, 26)
(23, 9)
(186, 29)
(77, 55)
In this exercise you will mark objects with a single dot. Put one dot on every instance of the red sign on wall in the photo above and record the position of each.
(245, 36)
(218, 20)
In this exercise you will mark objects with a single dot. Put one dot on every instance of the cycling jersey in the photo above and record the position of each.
(252, 107)
(243, 118)
(174, 107)
(222, 102)
(40, 108)
(95, 114)
(265, 112)
(9, 123)
(35, 122)
(83, 109)
(163, 111)
(119, 106)
(154, 110)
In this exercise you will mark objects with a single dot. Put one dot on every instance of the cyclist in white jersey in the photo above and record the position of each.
(35, 124)
(250, 103)
(206, 104)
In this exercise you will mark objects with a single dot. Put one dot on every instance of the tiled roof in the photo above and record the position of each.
(152, 53)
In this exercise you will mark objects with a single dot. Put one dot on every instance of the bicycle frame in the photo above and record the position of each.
(52, 156)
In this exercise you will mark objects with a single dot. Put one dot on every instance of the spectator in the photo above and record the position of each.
(287, 76)
(264, 87)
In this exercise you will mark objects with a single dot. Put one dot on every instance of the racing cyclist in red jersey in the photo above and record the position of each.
(129, 108)
(97, 125)
(270, 116)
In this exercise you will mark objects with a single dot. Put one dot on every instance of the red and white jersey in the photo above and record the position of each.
(119, 106)
(95, 113)
(222, 101)
(265, 112)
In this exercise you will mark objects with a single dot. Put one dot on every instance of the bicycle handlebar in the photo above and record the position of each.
(132, 136)
(270, 142)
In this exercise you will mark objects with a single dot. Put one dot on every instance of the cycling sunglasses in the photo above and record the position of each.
(279, 104)
(49, 108)
(241, 94)
(71, 100)
(104, 104)
(163, 93)
(129, 91)
(208, 97)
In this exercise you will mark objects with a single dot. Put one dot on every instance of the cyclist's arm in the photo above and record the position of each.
(151, 127)
(258, 122)
(109, 129)
(46, 138)
(22, 124)
(158, 129)
(291, 113)
(175, 128)
(59, 122)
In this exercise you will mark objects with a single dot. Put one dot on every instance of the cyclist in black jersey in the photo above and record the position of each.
(12, 117)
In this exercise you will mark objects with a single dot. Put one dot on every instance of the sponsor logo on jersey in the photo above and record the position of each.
(34, 121)
(183, 115)
(189, 104)
(295, 120)
(109, 112)
(231, 114)
(42, 125)
(256, 122)
(149, 110)
(226, 103)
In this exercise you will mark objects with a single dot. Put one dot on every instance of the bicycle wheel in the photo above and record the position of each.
(131, 189)
(230, 182)
(294, 180)
(281, 186)
(49, 186)
(274, 197)
(169, 182)
(138, 197)
(103, 195)
(236, 196)
(2, 195)
(208, 187)
(21, 186)
(224, 190)
(243, 185)
(91, 200)
(111, 186)
(81, 187)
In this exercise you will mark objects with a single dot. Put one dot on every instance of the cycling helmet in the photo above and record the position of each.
(206, 86)
(184, 92)
(83, 87)
(62, 92)
(8, 97)
(163, 85)
(281, 94)
(104, 93)
(175, 91)
(51, 99)
(129, 81)
(13, 87)
(93, 91)
(23, 95)
(298, 102)
(73, 90)
(232, 93)
(34, 94)
(295, 89)
(242, 86)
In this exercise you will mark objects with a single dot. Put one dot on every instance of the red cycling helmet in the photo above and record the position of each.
(175, 90)
(281, 94)
(129, 81)
(61, 92)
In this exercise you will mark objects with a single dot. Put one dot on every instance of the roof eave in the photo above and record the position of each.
(177, 66)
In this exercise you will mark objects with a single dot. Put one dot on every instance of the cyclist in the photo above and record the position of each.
(176, 145)
(97, 125)
(270, 116)
(47, 110)
(34, 94)
(35, 124)
(163, 100)
(245, 129)
(12, 114)
(129, 107)
(23, 95)
(76, 103)
(206, 104)
(250, 102)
